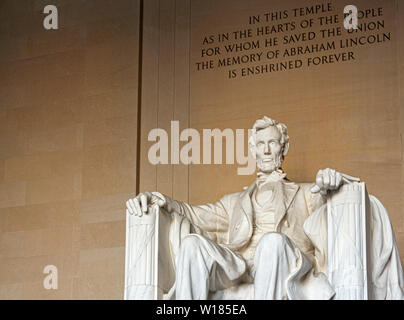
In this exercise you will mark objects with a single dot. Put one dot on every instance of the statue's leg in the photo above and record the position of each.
(274, 261)
(202, 265)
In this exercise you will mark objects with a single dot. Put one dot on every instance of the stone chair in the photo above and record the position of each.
(152, 243)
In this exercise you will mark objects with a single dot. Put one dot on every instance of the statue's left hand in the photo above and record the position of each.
(327, 179)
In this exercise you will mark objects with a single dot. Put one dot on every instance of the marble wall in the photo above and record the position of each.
(68, 130)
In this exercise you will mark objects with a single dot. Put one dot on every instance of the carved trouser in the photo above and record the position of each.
(204, 265)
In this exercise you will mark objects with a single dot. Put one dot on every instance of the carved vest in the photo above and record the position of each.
(263, 217)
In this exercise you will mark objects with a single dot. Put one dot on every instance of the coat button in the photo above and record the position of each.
(286, 224)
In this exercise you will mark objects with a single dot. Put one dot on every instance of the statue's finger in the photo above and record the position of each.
(143, 201)
(128, 209)
(158, 199)
(315, 189)
(132, 207)
(332, 180)
(326, 180)
(338, 179)
(319, 180)
(148, 196)
(137, 206)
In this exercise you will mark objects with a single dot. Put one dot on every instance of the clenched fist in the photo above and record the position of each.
(327, 179)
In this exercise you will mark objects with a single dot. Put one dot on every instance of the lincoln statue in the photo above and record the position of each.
(267, 234)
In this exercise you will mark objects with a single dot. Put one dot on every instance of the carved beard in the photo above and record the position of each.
(270, 166)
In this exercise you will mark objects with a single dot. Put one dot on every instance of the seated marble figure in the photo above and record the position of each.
(262, 235)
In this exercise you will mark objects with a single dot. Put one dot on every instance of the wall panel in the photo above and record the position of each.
(68, 136)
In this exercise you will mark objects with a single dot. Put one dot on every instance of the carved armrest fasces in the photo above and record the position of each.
(151, 245)
(355, 245)
(348, 241)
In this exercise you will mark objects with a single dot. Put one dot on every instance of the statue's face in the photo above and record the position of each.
(268, 149)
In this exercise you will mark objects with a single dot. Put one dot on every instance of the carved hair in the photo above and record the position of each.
(266, 122)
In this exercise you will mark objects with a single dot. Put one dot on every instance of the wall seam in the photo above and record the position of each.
(139, 98)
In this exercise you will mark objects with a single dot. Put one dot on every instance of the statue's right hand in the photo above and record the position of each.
(141, 203)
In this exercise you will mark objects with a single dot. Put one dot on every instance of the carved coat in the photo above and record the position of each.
(230, 220)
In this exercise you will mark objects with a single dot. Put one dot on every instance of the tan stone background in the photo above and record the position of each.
(69, 126)
(68, 110)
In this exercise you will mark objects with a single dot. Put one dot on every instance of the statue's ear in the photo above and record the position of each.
(285, 149)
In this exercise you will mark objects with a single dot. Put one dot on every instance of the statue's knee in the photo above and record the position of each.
(272, 241)
(191, 244)
(192, 252)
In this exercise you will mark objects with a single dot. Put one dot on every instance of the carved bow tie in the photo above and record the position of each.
(272, 178)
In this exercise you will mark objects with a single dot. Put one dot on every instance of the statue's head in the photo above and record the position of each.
(269, 144)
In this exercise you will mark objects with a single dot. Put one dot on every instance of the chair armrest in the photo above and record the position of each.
(348, 241)
(152, 242)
